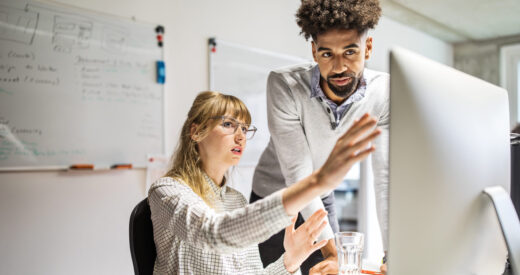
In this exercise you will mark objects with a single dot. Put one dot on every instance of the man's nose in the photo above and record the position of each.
(339, 65)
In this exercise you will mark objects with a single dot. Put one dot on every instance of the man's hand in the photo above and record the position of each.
(327, 266)
(383, 268)
(299, 243)
(330, 264)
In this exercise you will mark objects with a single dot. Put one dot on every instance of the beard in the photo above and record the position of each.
(346, 90)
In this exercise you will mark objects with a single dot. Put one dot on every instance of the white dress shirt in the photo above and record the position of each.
(193, 238)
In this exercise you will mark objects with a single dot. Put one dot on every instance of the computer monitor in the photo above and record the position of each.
(449, 139)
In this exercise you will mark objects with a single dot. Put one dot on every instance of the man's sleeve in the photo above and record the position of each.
(380, 170)
(289, 139)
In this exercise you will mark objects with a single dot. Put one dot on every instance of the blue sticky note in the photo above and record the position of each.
(161, 72)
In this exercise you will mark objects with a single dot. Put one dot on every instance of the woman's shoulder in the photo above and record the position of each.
(174, 184)
(237, 195)
(165, 181)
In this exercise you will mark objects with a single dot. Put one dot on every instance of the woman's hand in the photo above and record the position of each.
(350, 148)
(299, 243)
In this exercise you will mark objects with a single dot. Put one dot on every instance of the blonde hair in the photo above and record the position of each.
(186, 162)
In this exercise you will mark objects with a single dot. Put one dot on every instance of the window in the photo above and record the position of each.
(518, 88)
(510, 79)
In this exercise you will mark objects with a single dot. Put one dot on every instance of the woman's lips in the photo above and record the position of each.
(236, 151)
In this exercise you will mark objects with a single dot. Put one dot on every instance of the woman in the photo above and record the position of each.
(202, 226)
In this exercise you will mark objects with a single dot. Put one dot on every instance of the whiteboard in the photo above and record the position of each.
(76, 87)
(242, 71)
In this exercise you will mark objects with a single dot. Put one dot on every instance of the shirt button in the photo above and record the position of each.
(328, 110)
(321, 100)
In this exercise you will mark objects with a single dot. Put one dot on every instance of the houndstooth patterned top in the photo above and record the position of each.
(193, 238)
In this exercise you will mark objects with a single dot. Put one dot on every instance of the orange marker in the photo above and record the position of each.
(82, 167)
(121, 166)
(371, 272)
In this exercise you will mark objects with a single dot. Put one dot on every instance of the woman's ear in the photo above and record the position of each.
(193, 132)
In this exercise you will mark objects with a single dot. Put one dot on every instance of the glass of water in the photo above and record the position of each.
(350, 252)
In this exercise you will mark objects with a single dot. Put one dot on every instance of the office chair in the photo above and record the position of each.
(142, 246)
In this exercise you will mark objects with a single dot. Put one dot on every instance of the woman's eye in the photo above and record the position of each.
(228, 124)
(244, 130)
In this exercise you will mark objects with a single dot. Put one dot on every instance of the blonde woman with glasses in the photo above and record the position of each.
(203, 226)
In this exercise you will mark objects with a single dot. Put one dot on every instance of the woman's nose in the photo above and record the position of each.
(239, 134)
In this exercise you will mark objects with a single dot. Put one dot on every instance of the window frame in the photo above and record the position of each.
(509, 79)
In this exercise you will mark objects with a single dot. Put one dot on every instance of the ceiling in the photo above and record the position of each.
(457, 20)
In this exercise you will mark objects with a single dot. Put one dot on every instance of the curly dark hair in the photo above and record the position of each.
(318, 16)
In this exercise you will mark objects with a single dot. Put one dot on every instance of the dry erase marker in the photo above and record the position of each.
(161, 72)
(82, 167)
(121, 166)
(371, 272)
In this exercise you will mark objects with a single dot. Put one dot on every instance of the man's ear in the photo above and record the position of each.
(314, 53)
(193, 132)
(368, 47)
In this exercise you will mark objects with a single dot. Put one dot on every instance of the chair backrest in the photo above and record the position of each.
(142, 246)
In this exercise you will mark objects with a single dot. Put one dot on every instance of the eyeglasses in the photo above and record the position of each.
(231, 125)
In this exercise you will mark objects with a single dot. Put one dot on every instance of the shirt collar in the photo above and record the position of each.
(219, 190)
(316, 90)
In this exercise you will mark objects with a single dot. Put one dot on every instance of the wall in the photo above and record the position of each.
(483, 59)
(77, 222)
(390, 33)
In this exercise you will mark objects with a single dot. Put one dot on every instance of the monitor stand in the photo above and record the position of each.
(509, 223)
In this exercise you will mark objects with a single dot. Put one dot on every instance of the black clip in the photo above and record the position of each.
(159, 29)
(212, 41)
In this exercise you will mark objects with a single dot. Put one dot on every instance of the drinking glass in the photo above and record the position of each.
(350, 252)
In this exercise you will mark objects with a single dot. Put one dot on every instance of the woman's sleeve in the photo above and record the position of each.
(278, 267)
(175, 207)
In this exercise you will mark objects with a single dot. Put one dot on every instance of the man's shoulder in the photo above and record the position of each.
(303, 70)
(379, 82)
(373, 75)
(296, 79)
(377, 95)
(296, 68)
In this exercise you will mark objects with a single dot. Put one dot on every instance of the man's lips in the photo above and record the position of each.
(341, 81)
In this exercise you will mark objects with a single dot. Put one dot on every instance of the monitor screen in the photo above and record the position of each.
(449, 139)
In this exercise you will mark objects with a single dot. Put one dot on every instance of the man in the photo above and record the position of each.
(310, 106)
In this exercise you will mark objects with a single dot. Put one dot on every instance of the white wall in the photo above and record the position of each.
(77, 222)
(390, 33)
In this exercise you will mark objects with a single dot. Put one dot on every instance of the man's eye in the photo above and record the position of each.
(326, 55)
(244, 129)
(350, 52)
